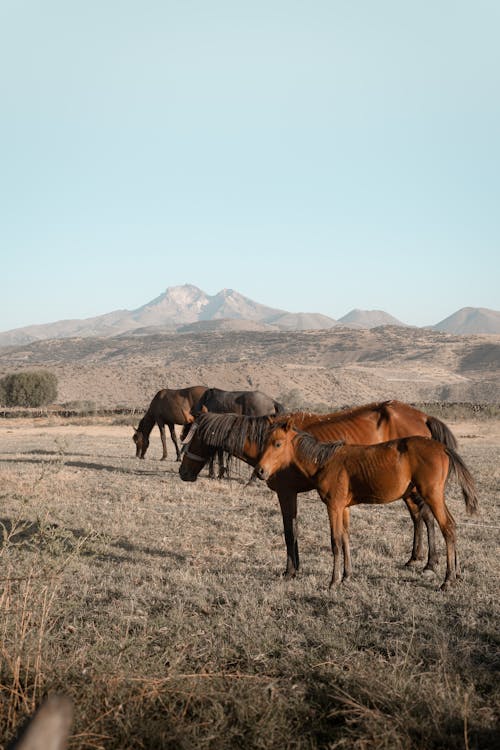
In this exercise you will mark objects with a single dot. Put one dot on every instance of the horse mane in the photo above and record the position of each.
(146, 424)
(315, 451)
(229, 431)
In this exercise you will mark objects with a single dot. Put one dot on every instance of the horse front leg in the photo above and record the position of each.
(223, 470)
(288, 505)
(336, 516)
(173, 435)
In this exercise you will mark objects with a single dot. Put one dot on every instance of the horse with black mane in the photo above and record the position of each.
(169, 407)
(244, 403)
(347, 475)
(244, 437)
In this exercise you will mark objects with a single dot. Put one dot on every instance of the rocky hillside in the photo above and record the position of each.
(330, 368)
(471, 320)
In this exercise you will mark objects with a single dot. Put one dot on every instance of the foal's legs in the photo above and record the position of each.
(339, 540)
(435, 500)
(417, 552)
(420, 514)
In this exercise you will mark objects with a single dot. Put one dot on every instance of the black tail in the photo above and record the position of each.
(465, 480)
(440, 431)
(278, 408)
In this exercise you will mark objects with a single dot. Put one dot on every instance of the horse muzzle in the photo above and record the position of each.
(186, 475)
(260, 472)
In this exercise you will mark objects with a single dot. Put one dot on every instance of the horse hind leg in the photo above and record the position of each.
(431, 566)
(417, 552)
(161, 427)
(420, 514)
(437, 504)
(346, 546)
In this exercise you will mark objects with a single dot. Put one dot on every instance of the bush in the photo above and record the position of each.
(29, 388)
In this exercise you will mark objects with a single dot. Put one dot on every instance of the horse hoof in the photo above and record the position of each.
(411, 562)
(447, 584)
(334, 585)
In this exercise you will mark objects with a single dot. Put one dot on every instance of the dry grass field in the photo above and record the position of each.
(159, 606)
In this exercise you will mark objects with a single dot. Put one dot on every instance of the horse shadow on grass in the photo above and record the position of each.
(346, 706)
(91, 465)
(27, 532)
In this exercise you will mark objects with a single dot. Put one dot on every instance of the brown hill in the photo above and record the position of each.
(369, 319)
(471, 320)
(328, 367)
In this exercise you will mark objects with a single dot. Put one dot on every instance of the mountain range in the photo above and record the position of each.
(189, 309)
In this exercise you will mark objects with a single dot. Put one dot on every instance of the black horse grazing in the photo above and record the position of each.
(246, 403)
(169, 407)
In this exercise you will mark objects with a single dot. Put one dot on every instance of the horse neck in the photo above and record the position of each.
(307, 466)
(310, 457)
(146, 424)
(251, 452)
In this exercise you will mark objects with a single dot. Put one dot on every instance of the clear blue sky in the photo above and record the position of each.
(315, 156)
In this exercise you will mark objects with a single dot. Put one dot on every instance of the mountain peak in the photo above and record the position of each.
(369, 319)
(186, 304)
(471, 320)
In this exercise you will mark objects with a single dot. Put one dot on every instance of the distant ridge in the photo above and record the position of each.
(471, 320)
(369, 319)
(187, 305)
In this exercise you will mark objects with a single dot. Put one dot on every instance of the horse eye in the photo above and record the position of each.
(277, 444)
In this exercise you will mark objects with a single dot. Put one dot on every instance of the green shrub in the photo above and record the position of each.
(29, 388)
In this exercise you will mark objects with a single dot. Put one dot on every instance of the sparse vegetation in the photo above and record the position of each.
(29, 388)
(461, 410)
(159, 608)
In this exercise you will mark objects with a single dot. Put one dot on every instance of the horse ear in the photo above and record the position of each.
(288, 424)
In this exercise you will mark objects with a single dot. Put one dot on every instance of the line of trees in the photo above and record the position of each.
(30, 388)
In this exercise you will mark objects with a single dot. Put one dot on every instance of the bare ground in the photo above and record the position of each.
(159, 606)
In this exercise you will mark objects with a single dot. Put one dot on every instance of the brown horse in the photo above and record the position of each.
(168, 407)
(346, 475)
(245, 437)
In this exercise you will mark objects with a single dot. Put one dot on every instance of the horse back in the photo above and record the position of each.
(384, 471)
(368, 424)
(173, 405)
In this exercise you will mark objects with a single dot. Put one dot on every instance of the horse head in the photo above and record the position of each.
(277, 453)
(141, 442)
(194, 453)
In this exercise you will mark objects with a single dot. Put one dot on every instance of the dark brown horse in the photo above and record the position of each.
(169, 407)
(245, 403)
(346, 475)
(248, 403)
(245, 437)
